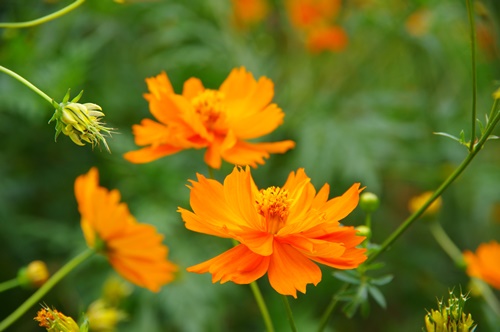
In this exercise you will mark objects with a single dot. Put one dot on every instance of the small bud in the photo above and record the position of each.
(369, 202)
(103, 317)
(115, 290)
(449, 317)
(55, 321)
(34, 275)
(363, 231)
(496, 94)
(416, 202)
(80, 122)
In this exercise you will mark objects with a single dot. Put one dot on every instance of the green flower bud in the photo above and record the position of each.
(363, 231)
(80, 122)
(369, 202)
(450, 317)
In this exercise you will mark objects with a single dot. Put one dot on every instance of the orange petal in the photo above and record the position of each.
(351, 259)
(192, 88)
(250, 124)
(289, 270)
(150, 132)
(339, 207)
(239, 265)
(148, 154)
(159, 85)
(244, 153)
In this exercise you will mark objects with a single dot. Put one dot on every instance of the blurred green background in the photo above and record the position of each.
(366, 114)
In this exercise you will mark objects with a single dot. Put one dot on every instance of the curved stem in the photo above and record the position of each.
(262, 306)
(35, 297)
(402, 228)
(9, 284)
(331, 307)
(487, 294)
(26, 82)
(470, 12)
(289, 313)
(446, 243)
(41, 20)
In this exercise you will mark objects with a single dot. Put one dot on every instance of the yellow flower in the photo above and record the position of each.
(281, 230)
(103, 317)
(485, 263)
(33, 275)
(450, 317)
(417, 201)
(55, 321)
(219, 120)
(134, 250)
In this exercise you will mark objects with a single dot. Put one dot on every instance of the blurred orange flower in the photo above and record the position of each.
(310, 13)
(280, 230)
(328, 38)
(134, 250)
(484, 264)
(248, 12)
(220, 120)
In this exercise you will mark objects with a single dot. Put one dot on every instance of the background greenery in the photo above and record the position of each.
(366, 115)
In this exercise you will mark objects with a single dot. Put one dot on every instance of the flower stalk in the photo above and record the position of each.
(262, 306)
(470, 12)
(26, 82)
(42, 291)
(447, 244)
(9, 284)
(289, 313)
(44, 19)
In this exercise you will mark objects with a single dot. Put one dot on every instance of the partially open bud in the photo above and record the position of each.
(54, 321)
(369, 202)
(34, 275)
(449, 317)
(81, 122)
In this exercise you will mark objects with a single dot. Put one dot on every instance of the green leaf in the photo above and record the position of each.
(382, 280)
(347, 277)
(377, 296)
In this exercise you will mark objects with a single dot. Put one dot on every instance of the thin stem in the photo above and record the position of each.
(333, 303)
(470, 11)
(289, 313)
(35, 297)
(402, 228)
(211, 173)
(27, 83)
(446, 243)
(9, 284)
(44, 19)
(262, 306)
(488, 295)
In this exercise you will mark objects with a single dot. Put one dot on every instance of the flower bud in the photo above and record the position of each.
(363, 231)
(369, 202)
(34, 275)
(103, 317)
(80, 122)
(115, 290)
(55, 321)
(449, 317)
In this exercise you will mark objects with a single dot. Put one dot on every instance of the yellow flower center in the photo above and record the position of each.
(209, 106)
(273, 204)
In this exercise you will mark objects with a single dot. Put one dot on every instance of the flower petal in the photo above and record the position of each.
(245, 153)
(239, 265)
(148, 154)
(192, 88)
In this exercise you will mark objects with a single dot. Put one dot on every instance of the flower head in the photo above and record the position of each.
(281, 230)
(484, 264)
(450, 317)
(249, 12)
(326, 38)
(219, 120)
(35, 274)
(134, 250)
(55, 321)
(305, 14)
(81, 122)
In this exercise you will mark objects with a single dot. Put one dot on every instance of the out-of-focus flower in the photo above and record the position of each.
(419, 22)
(55, 321)
(484, 264)
(104, 317)
(281, 230)
(115, 290)
(327, 38)
(305, 14)
(416, 202)
(81, 122)
(249, 12)
(35, 274)
(449, 317)
(219, 120)
(134, 250)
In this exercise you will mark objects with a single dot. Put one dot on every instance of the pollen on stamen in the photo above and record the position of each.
(209, 105)
(273, 202)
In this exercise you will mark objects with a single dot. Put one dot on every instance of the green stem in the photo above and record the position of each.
(27, 83)
(9, 284)
(44, 19)
(211, 173)
(446, 243)
(470, 11)
(262, 306)
(35, 297)
(488, 295)
(402, 228)
(333, 303)
(289, 313)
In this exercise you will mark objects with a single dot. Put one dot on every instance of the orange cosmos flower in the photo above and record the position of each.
(305, 14)
(134, 250)
(327, 38)
(280, 230)
(220, 120)
(248, 12)
(484, 264)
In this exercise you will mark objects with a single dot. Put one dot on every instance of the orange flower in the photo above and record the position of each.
(305, 14)
(280, 230)
(485, 263)
(134, 250)
(219, 120)
(248, 12)
(327, 38)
